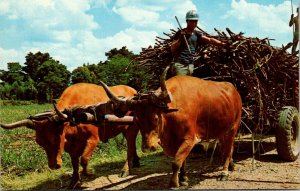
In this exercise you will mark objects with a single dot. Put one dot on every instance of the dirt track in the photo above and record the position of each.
(268, 172)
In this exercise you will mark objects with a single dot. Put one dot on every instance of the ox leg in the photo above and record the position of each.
(75, 177)
(227, 144)
(183, 179)
(87, 153)
(181, 154)
(132, 157)
(131, 142)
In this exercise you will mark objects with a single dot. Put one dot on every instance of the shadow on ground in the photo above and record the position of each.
(154, 172)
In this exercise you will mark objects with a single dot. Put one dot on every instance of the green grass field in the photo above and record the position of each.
(24, 163)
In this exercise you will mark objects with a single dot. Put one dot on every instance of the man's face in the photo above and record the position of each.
(191, 24)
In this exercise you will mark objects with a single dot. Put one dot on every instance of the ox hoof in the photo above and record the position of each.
(231, 166)
(184, 183)
(136, 163)
(87, 173)
(224, 176)
(173, 185)
(74, 184)
(124, 174)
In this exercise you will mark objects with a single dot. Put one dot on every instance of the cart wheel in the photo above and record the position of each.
(287, 134)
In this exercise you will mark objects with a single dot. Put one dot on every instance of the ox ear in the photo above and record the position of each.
(25, 122)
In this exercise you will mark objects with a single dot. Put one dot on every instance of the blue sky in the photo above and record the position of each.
(81, 31)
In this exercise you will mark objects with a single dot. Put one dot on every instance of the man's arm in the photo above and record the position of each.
(212, 41)
(176, 42)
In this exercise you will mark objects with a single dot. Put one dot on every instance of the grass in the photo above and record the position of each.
(24, 163)
(20, 155)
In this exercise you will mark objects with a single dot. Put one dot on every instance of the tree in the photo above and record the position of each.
(121, 52)
(124, 70)
(17, 90)
(53, 79)
(14, 73)
(5, 90)
(114, 73)
(83, 74)
(33, 61)
(139, 77)
(30, 90)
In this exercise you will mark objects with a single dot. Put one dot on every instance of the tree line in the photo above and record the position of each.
(43, 78)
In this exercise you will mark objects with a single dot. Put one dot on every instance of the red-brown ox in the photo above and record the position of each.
(206, 110)
(54, 135)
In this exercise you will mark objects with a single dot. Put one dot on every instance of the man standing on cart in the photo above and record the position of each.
(185, 44)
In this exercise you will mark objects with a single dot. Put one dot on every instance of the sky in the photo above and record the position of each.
(81, 31)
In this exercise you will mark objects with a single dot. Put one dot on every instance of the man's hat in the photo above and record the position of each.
(192, 15)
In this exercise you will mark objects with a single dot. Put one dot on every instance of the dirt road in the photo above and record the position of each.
(267, 171)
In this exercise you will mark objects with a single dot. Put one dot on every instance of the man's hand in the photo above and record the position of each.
(182, 32)
(182, 35)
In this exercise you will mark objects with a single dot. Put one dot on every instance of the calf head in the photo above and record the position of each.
(148, 110)
(49, 129)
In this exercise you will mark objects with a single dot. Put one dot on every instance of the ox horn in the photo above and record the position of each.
(25, 122)
(109, 93)
(164, 92)
(59, 113)
(121, 105)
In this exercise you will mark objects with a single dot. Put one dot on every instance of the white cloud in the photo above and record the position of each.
(89, 49)
(136, 15)
(260, 20)
(157, 15)
(100, 3)
(181, 8)
(267, 18)
(26, 9)
(62, 36)
(133, 39)
(4, 6)
(47, 13)
(51, 26)
(10, 55)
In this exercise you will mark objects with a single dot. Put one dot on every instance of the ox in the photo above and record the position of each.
(184, 111)
(54, 133)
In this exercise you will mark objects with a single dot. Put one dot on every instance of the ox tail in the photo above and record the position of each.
(26, 122)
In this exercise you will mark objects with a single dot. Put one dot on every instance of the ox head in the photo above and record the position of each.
(49, 128)
(148, 110)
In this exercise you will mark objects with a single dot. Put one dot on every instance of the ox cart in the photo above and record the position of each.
(265, 76)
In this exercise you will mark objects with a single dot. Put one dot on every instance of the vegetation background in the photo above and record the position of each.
(43, 79)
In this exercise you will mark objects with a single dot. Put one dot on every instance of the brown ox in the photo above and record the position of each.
(206, 110)
(54, 135)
